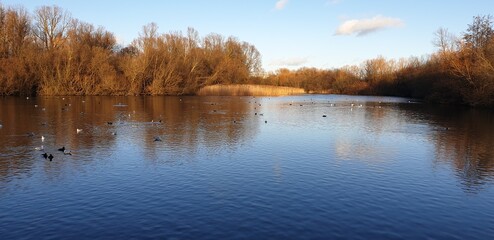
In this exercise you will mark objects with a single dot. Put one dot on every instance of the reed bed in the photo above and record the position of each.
(248, 90)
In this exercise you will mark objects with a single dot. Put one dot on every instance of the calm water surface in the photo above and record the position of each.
(245, 168)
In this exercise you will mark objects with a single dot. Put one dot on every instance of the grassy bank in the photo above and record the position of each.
(248, 90)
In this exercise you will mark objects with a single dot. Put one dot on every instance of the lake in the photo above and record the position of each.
(296, 167)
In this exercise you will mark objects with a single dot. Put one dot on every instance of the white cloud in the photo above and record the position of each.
(362, 27)
(290, 62)
(280, 4)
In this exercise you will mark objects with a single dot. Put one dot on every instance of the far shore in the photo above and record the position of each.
(248, 90)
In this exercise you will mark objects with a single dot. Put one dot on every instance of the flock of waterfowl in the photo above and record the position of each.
(63, 149)
(50, 156)
(66, 107)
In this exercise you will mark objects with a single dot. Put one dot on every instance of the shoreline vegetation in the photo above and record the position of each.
(248, 90)
(48, 52)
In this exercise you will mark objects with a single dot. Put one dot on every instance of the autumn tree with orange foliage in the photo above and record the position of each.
(51, 53)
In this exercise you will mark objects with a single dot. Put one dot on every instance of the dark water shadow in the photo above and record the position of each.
(463, 139)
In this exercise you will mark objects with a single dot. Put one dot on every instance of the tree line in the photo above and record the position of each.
(49, 52)
(461, 71)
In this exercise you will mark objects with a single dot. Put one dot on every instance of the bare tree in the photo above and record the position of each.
(14, 30)
(253, 59)
(444, 40)
(480, 33)
(51, 25)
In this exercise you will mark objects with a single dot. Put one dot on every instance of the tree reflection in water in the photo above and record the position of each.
(463, 138)
(108, 122)
(191, 127)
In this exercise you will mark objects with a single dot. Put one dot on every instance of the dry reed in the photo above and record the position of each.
(248, 90)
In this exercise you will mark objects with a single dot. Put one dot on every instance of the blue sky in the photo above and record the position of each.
(290, 33)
